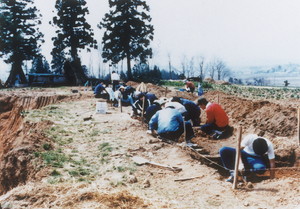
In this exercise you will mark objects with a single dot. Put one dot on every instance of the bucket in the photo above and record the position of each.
(101, 107)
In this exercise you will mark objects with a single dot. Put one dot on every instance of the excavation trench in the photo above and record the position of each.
(19, 139)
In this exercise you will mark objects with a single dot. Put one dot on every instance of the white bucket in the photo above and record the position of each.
(101, 107)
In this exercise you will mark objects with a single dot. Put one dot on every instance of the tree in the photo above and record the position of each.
(184, 65)
(73, 34)
(201, 68)
(128, 32)
(170, 65)
(58, 59)
(40, 65)
(20, 38)
(217, 66)
(225, 73)
(191, 68)
(286, 83)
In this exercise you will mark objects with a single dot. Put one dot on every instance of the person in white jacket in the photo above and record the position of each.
(115, 79)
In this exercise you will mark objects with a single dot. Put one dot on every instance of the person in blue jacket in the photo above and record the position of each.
(100, 91)
(193, 110)
(168, 124)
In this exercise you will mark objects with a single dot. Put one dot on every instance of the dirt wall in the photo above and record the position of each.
(19, 139)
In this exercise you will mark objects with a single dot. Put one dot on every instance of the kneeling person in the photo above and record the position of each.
(216, 117)
(253, 154)
(169, 124)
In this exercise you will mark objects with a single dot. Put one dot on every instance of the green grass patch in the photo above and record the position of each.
(53, 158)
(79, 172)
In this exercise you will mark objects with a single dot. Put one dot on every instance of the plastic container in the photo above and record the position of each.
(101, 107)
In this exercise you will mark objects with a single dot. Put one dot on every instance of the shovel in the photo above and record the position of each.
(142, 161)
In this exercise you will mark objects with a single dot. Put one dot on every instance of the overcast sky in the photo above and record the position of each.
(240, 32)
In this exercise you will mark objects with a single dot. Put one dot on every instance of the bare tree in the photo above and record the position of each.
(211, 69)
(225, 73)
(170, 65)
(220, 67)
(184, 65)
(191, 68)
(201, 68)
(217, 66)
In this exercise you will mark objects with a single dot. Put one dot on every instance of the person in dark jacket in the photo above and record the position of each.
(193, 110)
(152, 109)
(138, 104)
(100, 91)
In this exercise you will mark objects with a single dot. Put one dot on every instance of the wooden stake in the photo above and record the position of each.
(299, 126)
(237, 158)
(143, 109)
(120, 105)
(184, 129)
(166, 91)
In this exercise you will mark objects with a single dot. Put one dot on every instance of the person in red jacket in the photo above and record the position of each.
(189, 86)
(216, 117)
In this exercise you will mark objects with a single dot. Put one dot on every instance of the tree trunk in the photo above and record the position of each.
(16, 71)
(129, 74)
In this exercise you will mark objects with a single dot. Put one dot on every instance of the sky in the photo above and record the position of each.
(239, 32)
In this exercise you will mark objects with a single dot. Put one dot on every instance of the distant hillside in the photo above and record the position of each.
(271, 75)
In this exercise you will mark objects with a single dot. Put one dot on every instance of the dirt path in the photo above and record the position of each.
(97, 170)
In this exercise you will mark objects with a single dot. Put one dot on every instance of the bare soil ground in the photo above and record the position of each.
(91, 164)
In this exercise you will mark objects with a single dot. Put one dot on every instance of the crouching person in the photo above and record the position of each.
(257, 155)
(100, 91)
(216, 120)
(169, 125)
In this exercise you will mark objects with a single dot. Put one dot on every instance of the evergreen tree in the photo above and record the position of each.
(19, 36)
(73, 34)
(58, 60)
(40, 65)
(128, 32)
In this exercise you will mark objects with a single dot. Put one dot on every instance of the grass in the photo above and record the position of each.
(172, 83)
(53, 157)
(77, 151)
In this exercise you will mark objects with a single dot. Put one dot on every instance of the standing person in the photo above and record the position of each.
(253, 153)
(216, 117)
(189, 86)
(115, 79)
(200, 90)
(169, 125)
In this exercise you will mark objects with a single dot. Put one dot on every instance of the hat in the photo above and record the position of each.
(162, 100)
(121, 87)
(140, 95)
(157, 101)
